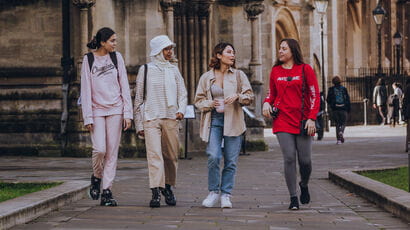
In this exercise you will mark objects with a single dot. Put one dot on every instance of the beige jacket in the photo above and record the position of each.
(234, 123)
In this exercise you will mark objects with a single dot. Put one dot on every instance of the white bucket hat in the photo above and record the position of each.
(158, 43)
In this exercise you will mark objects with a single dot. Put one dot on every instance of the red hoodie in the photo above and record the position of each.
(285, 93)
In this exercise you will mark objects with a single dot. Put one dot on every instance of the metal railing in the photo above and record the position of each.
(360, 82)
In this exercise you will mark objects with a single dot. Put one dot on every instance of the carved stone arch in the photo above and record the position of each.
(285, 26)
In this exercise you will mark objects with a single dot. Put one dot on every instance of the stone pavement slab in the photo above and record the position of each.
(260, 197)
(25, 208)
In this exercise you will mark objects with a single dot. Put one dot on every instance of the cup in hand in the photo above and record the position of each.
(220, 107)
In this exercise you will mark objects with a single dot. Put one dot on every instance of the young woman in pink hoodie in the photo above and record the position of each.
(107, 109)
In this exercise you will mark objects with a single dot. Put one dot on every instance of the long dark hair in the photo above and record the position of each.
(380, 82)
(294, 49)
(218, 49)
(102, 35)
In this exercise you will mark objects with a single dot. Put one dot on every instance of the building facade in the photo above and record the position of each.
(43, 41)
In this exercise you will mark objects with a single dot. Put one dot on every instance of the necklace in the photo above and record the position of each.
(287, 66)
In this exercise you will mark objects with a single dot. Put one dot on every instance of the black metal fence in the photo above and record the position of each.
(361, 85)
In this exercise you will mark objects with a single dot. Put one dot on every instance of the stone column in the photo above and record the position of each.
(253, 10)
(84, 6)
(203, 13)
(168, 7)
(191, 11)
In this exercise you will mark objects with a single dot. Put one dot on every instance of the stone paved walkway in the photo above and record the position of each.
(260, 196)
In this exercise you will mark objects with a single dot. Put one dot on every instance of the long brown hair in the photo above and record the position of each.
(380, 81)
(294, 49)
(219, 49)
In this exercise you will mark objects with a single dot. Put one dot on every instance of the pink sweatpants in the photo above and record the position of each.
(106, 136)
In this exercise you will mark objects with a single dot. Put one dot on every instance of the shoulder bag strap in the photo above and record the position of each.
(90, 57)
(114, 60)
(303, 90)
(145, 80)
(238, 82)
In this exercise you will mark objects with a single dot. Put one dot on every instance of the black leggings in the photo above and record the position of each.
(292, 145)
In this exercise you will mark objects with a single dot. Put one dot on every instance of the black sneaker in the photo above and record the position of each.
(304, 194)
(294, 203)
(94, 191)
(156, 198)
(169, 195)
(107, 199)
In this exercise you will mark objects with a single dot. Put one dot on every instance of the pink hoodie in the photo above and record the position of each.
(103, 93)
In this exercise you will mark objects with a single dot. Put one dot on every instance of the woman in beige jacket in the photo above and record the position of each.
(220, 95)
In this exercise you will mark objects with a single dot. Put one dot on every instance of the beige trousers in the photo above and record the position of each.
(161, 142)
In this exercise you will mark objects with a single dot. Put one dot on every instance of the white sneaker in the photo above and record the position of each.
(226, 201)
(211, 199)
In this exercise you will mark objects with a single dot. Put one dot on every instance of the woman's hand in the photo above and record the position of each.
(141, 134)
(215, 103)
(374, 106)
(126, 124)
(231, 99)
(89, 127)
(310, 126)
(266, 109)
(180, 116)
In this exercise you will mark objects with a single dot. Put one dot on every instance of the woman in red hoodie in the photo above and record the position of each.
(291, 82)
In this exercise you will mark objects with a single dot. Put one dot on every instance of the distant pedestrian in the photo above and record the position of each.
(320, 123)
(397, 87)
(293, 102)
(339, 102)
(107, 109)
(380, 99)
(160, 103)
(393, 109)
(220, 95)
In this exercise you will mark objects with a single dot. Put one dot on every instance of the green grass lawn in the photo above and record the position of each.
(394, 177)
(12, 190)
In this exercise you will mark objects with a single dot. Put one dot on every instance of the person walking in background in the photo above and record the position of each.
(380, 99)
(293, 102)
(397, 88)
(393, 106)
(339, 102)
(106, 108)
(320, 125)
(160, 103)
(220, 94)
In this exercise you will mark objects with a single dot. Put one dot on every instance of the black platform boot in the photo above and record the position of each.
(94, 191)
(107, 199)
(169, 195)
(156, 198)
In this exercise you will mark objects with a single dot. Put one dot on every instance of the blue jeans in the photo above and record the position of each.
(232, 146)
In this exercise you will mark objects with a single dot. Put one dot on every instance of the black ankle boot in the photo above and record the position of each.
(294, 203)
(94, 191)
(304, 194)
(107, 199)
(156, 198)
(169, 195)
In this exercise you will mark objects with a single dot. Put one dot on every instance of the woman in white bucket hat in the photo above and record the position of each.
(157, 114)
